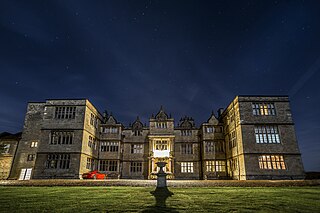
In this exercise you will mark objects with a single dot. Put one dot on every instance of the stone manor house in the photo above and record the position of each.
(253, 138)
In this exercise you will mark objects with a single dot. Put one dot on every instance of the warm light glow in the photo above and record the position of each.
(161, 153)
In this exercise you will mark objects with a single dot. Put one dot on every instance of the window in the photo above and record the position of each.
(215, 166)
(275, 162)
(218, 129)
(137, 148)
(186, 167)
(31, 157)
(233, 164)
(108, 165)
(161, 125)
(137, 133)
(90, 164)
(65, 112)
(58, 161)
(109, 146)
(59, 137)
(209, 129)
(232, 140)
(93, 121)
(34, 144)
(267, 134)
(6, 149)
(186, 132)
(161, 145)
(108, 130)
(92, 142)
(187, 148)
(213, 147)
(263, 109)
(136, 167)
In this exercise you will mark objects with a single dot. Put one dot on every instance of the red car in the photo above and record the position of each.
(94, 175)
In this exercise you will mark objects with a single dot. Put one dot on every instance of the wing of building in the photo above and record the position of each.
(253, 138)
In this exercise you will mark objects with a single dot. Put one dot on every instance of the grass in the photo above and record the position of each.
(139, 199)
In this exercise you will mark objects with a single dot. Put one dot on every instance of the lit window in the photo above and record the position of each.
(161, 125)
(267, 134)
(34, 144)
(215, 166)
(263, 109)
(186, 167)
(209, 129)
(161, 145)
(274, 162)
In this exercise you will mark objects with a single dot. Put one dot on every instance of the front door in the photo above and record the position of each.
(25, 174)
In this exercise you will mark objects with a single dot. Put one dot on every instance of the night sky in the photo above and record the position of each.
(192, 57)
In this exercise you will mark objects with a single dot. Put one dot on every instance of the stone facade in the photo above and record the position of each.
(8, 144)
(253, 138)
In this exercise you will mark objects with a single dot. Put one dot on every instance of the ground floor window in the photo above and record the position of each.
(90, 164)
(136, 167)
(186, 167)
(271, 162)
(108, 165)
(215, 166)
(58, 161)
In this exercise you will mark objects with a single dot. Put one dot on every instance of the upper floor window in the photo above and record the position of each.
(213, 147)
(112, 130)
(92, 142)
(61, 137)
(58, 161)
(94, 120)
(209, 129)
(161, 145)
(34, 144)
(232, 139)
(186, 167)
(109, 146)
(271, 162)
(31, 157)
(137, 133)
(263, 109)
(137, 148)
(161, 125)
(267, 134)
(65, 112)
(218, 129)
(186, 132)
(187, 148)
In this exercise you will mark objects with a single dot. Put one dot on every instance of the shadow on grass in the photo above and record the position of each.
(161, 195)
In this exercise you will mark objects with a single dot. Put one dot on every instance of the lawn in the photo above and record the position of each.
(140, 199)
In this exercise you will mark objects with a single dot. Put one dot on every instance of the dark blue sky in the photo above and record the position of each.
(130, 57)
